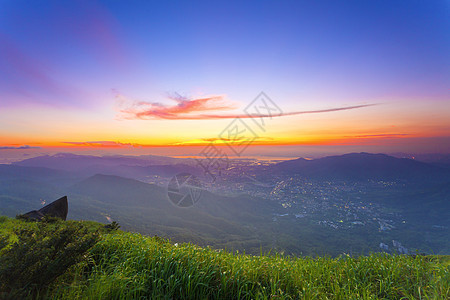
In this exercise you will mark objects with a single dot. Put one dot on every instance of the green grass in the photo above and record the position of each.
(132, 266)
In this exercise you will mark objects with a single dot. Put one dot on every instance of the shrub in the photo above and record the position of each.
(113, 226)
(28, 266)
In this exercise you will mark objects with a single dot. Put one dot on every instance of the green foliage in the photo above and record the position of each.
(45, 219)
(113, 226)
(40, 254)
(132, 266)
(22, 217)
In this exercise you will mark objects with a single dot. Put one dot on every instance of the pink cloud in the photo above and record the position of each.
(193, 109)
(183, 108)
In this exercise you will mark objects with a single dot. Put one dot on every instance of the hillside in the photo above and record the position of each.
(136, 167)
(364, 166)
(121, 265)
(69, 161)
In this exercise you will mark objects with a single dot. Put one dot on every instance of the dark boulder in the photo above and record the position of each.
(57, 209)
(33, 215)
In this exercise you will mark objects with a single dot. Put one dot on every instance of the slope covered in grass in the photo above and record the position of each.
(125, 265)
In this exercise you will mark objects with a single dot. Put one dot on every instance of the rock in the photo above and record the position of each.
(33, 215)
(58, 209)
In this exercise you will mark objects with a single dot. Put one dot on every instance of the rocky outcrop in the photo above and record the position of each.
(57, 209)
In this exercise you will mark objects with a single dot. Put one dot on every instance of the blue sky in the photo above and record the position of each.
(79, 56)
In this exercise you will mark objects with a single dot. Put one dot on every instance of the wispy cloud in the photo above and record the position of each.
(223, 141)
(24, 147)
(184, 108)
(194, 109)
(382, 135)
(110, 144)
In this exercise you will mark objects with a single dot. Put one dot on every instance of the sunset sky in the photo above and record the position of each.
(168, 77)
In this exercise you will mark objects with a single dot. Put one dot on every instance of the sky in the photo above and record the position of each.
(172, 77)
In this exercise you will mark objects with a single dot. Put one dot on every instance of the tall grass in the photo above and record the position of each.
(131, 266)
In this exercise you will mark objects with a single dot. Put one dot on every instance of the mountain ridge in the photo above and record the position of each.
(362, 166)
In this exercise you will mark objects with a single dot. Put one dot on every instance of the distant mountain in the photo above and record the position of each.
(128, 192)
(434, 158)
(121, 191)
(9, 172)
(244, 222)
(73, 162)
(144, 207)
(363, 166)
(135, 167)
(24, 188)
(140, 172)
(442, 160)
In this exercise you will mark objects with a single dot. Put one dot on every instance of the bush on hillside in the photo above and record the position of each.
(113, 226)
(28, 266)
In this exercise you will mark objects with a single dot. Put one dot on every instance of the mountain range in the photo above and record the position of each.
(118, 188)
(363, 166)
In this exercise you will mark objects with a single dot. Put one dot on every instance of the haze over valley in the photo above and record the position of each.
(339, 204)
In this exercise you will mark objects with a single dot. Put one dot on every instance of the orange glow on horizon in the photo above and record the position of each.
(322, 140)
(75, 130)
